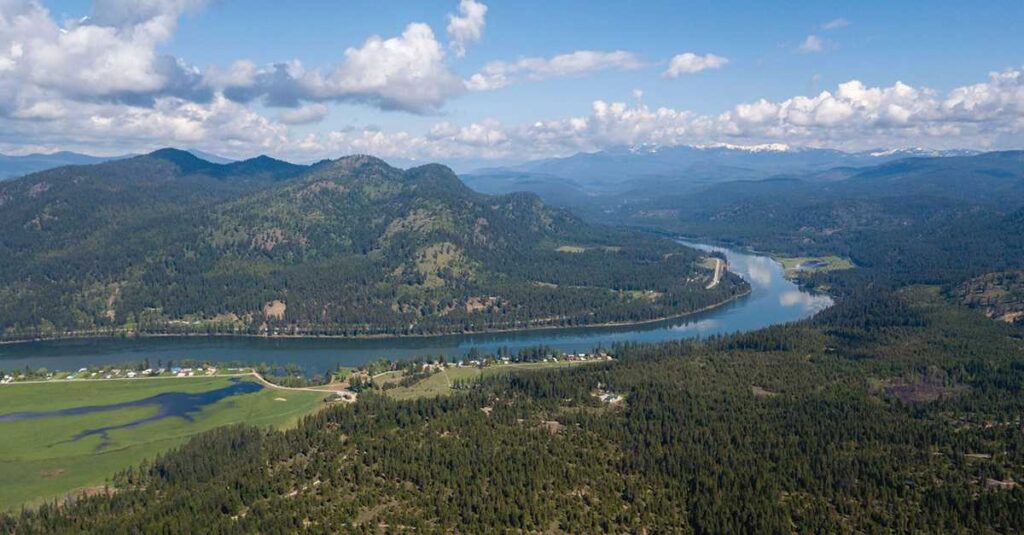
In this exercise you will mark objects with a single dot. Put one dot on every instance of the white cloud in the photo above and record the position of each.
(104, 128)
(101, 85)
(690, 63)
(109, 56)
(498, 74)
(113, 56)
(407, 72)
(812, 45)
(308, 114)
(853, 116)
(835, 24)
(466, 27)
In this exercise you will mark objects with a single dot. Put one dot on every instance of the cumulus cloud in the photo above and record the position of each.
(109, 56)
(466, 27)
(690, 63)
(853, 116)
(113, 56)
(218, 124)
(101, 85)
(498, 74)
(406, 73)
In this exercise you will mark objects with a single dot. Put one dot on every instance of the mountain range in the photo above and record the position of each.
(622, 173)
(172, 243)
(907, 217)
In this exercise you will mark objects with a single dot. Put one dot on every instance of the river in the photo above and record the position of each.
(773, 300)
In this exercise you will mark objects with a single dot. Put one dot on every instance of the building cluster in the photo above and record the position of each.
(566, 357)
(112, 373)
(192, 372)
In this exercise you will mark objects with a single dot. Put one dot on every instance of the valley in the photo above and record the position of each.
(522, 268)
(856, 383)
(772, 300)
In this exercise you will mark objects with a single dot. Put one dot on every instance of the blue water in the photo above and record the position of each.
(168, 405)
(773, 300)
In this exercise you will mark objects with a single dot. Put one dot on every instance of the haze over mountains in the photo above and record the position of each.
(609, 167)
(15, 166)
(676, 169)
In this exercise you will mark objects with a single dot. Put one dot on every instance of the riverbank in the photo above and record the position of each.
(771, 300)
(129, 335)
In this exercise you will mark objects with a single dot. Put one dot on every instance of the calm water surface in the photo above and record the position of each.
(773, 300)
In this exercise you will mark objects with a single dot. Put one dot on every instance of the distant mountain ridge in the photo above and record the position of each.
(15, 166)
(910, 215)
(628, 172)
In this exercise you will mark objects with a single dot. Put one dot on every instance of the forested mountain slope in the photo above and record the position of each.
(170, 243)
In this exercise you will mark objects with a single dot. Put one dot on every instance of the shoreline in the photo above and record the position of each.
(605, 325)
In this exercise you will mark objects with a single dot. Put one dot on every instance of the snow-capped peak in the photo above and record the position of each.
(921, 151)
(766, 147)
(644, 148)
(894, 152)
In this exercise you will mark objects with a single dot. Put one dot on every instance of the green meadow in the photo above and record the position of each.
(39, 460)
(830, 263)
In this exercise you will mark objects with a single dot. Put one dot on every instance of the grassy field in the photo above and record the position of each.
(832, 263)
(439, 384)
(40, 461)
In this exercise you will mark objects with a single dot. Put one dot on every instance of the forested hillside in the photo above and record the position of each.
(999, 294)
(170, 243)
(888, 413)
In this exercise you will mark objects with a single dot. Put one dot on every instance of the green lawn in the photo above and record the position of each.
(40, 461)
(833, 263)
(439, 384)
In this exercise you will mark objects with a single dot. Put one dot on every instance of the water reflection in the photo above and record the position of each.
(773, 300)
(805, 300)
(757, 271)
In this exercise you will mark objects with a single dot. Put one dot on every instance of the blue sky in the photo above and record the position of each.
(959, 61)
